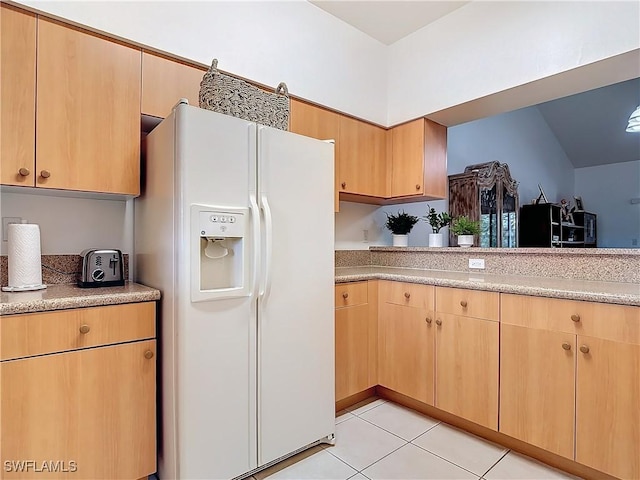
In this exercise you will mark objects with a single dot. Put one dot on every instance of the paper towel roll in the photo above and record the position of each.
(24, 262)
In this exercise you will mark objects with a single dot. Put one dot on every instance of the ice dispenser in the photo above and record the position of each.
(219, 253)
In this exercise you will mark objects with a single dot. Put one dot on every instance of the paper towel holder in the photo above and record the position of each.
(23, 284)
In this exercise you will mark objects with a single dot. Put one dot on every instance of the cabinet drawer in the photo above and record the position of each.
(407, 294)
(349, 294)
(468, 303)
(62, 330)
(610, 322)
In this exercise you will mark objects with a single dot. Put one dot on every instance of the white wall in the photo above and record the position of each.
(488, 47)
(69, 225)
(320, 57)
(606, 190)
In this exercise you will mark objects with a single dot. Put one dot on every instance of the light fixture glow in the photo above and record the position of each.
(634, 121)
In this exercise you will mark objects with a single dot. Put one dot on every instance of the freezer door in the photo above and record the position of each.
(215, 337)
(295, 306)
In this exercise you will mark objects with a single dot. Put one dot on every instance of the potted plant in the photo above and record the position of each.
(465, 229)
(400, 226)
(437, 221)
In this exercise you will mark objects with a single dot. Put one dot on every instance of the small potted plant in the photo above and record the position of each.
(465, 229)
(400, 226)
(437, 221)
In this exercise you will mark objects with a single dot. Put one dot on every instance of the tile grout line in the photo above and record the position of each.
(455, 464)
(497, 462)
(394, 434)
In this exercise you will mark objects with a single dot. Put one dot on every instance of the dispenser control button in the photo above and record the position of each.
(223, 219)
(214, 218)
(232, 219)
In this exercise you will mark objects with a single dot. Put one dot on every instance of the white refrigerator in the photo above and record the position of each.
(235, 227)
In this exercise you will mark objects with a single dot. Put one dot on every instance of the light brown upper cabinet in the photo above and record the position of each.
(87, 113)
(316, 122)
(164, 82)
(363, 158)
(419, 160)
(18, 96)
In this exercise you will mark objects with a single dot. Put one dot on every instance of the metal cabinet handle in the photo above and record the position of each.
(84, 329)
(575, 318)
(407, 294)
(148, 354)
(345, 295)
(428, 320)
(418, 187)
(584, 349)
(463, 303)
(566, 346)
(24, 172)
(344, 184)
(45, 173)
(438, 322)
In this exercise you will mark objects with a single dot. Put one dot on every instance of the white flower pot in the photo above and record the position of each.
(400, 240)
(465, 240)
(436, 240)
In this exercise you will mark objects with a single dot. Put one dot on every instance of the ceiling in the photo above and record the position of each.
(388, 21)
(590, 126)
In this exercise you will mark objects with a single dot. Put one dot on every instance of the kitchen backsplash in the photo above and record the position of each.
(57, 268)
(607, 265)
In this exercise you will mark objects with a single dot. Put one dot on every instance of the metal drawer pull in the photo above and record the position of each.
(575, 318)
(407, 294)
(345, 295)
(428, 320)
(438, 322)
(463, 303)
(584, 349)
(148, 354)
(84, 328)
(45, 174)
(24, 172)
(566, 346)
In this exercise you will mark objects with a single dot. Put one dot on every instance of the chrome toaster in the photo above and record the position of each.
(101, 268)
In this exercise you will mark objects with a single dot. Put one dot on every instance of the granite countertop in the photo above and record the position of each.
(588, 290)
(63, 296)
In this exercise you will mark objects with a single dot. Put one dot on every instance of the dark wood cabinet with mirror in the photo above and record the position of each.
(486, 192)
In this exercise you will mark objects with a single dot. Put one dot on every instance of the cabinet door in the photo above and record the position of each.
(406, 351)
(419, 160)
(316, 122)
(608, 406)
(537, 387)
(467, 368)
(88, 112)
(95, 407)
(363, 158)
(164, 82)
(17, 96)
(352, 350)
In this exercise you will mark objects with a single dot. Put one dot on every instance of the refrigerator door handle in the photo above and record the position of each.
(268, 247)
(255, 224)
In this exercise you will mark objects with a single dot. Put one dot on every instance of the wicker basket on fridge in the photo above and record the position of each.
(229, 95)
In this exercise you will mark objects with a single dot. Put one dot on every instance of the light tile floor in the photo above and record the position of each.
(384, 441)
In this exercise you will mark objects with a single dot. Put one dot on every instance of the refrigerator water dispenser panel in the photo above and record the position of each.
(220, 253)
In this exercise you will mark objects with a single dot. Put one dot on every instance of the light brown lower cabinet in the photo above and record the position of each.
(87, 413)
(467, 368)
(537, 387)
(608, 406)
(356, 336)
(406, 351)
(570, 380)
